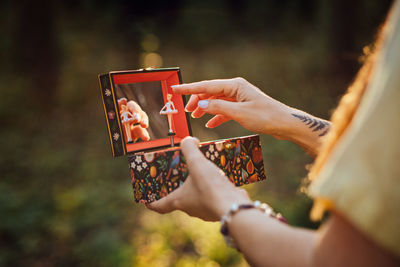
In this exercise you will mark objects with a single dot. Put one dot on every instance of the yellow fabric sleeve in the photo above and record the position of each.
(361, 178)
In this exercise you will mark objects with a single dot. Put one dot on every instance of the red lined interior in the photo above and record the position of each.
(152, 144)
(167, 79)
(143, 76)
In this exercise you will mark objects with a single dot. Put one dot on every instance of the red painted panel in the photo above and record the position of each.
(142, 76)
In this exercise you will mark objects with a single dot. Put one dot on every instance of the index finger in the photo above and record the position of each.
(226, 87)
(194, 99)
(165, 204)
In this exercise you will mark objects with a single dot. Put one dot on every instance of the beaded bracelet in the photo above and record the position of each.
(235, 208)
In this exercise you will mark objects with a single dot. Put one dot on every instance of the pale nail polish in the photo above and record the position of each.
(203, 103)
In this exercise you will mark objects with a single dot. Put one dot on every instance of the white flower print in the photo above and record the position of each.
(107, 92)
(144, 165)
(138, 159)
(116, 136)
(152, 197)
(139, 168)
(208, 154)
(211, 148)
(133, 165)
(216, 154)
(212, 157)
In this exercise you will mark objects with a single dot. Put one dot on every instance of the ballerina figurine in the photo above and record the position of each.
(169, 109)
(126, 120)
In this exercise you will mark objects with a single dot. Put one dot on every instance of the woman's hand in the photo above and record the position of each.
(236, 99)
(140, 119)
(141, 123)
(207, 193)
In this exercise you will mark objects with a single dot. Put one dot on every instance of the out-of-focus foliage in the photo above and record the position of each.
(64, 200)
(178, 240)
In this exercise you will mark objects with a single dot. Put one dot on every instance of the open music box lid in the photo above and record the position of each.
(142, 112)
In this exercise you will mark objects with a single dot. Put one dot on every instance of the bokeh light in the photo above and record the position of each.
(153, 60)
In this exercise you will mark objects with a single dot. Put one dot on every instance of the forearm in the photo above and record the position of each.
(264, 241)
(303, 129)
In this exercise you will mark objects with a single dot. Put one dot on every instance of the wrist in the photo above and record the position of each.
(280, 123)
(235, 208)
(303, 129)
(227, 199)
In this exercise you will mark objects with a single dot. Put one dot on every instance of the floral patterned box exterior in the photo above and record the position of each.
(155, 174)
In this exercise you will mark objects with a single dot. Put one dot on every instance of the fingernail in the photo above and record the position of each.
(196, 140)
(173, 87)
(203, 103)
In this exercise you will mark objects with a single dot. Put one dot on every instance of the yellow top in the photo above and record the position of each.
(361, 178)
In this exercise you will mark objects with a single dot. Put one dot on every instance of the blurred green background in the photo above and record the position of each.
(65, 201)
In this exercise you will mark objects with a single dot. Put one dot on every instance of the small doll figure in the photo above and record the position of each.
(169, 110)
(126, 120)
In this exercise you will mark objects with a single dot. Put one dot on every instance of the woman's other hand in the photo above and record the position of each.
(140, 122)
(207, 193)
(235, 99)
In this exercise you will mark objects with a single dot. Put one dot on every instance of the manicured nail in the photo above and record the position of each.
(173, 87)
(196, 140)
(203, 103)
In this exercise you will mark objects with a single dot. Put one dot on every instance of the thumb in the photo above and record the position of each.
(219, 106)
(196, 161)
(190, 149)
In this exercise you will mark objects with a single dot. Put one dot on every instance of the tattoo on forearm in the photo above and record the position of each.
(314, 124)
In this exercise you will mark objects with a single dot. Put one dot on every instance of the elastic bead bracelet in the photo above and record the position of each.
(235, 208)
